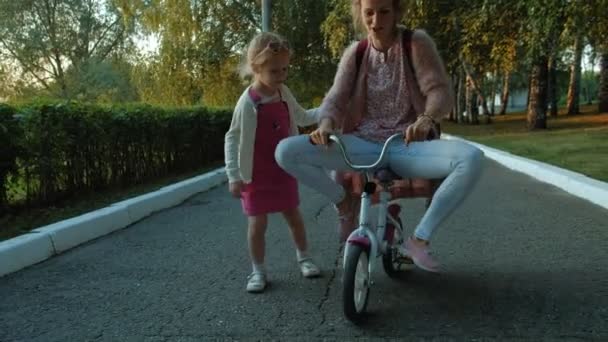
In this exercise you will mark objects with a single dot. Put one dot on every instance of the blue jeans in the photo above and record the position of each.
(458, 162)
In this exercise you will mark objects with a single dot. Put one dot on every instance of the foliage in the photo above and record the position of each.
(489, 35)
(312, 69)
(9, 149)
(64, 149)
(87, 52)
(198, 44)
(48, 38)
(223, 87)
(338, 27)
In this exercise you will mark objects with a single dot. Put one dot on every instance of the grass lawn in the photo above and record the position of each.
(26, 220)
(578, 142)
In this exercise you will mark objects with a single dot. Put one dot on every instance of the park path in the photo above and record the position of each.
(522, 259)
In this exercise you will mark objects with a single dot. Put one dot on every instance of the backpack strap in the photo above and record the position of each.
(361, 47)
(407, 45)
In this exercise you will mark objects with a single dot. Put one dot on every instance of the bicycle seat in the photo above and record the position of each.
(401, 187)
(386, 175)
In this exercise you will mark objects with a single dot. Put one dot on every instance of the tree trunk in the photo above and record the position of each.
(529, 89)
(537, 104)
(454, 113)
(473, 81)
(481, 98)
(575, 78)
(552, 87)
(484, 105)
(493, 95)
(504, 99)
(603, 86)
(472, 104)
(468, 94)
(461, 97)
(587, 93)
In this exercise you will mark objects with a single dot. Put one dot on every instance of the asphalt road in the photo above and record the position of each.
(523, 260)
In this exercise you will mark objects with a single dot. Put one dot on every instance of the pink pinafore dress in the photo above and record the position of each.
(271, 189)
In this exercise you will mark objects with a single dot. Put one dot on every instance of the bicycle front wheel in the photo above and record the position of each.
(356, 283)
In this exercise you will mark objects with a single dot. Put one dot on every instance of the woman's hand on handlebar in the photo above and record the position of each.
(419, 130)
(320, 136)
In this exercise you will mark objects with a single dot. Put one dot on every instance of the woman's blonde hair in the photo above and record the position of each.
(355, 9)
(261, 47)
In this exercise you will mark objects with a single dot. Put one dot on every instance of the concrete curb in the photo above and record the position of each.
(574, 183)
(44, 242)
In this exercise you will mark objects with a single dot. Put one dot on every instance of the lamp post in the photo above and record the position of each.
(266, 15)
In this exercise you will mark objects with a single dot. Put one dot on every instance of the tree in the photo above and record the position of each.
(575, 76)
(337, 28)
(597, 33)
(543, 22)
(107, 81)
(603, 88)
(487, 32)
(552, 86)
(46, 38)
(202, 43)
(312, 67)
(195, 39)
(7, 86)
(575, 31)
(504, 95)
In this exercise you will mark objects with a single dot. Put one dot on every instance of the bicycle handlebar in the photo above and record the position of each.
(336, 138)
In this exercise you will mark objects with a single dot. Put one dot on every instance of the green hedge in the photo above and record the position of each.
(10, 149)
(52, 151)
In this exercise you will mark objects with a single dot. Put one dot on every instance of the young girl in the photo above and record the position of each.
(265, 113)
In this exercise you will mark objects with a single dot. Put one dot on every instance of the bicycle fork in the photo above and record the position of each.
(364, 236)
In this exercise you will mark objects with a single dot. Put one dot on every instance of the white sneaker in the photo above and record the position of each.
(309, 269)
(256, 282)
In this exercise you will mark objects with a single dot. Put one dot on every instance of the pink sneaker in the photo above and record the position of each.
(421, 256)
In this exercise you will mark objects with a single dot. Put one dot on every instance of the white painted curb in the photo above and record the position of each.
(44, 242)
(574, 183)
(74, 231)
(23, 251)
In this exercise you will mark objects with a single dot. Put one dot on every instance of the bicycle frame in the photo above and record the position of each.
(365, 235)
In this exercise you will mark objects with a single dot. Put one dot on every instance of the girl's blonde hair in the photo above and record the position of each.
(355, 9)
(261, 47)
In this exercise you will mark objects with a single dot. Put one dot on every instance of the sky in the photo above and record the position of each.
(148, 44)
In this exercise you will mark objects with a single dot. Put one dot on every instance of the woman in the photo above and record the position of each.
(396, 88)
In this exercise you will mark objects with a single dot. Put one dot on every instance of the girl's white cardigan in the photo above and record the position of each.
(240, 138)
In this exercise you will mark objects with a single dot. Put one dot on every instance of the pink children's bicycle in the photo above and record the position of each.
(382, 239)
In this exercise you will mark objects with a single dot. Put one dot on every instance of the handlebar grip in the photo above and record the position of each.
(329, 141)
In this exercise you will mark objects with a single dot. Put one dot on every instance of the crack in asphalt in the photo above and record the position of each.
(329, 285)
(321, 209)
(333, 274)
